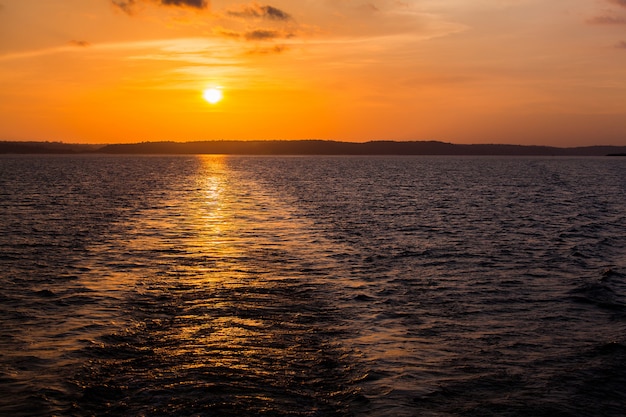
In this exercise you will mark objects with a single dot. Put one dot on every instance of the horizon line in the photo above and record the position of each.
(348, 142)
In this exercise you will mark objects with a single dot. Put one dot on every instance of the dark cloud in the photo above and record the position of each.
(127, 6)
(255, 34)
(82, 44)
(607, 20)
(621, 3)
(227, 33)
(621, 45)
(261, 35)
(275, 14)
(124, 5)
(257, 11)
(200, 4)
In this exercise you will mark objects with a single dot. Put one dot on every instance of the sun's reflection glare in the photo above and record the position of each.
(223, 275)
(214, 329)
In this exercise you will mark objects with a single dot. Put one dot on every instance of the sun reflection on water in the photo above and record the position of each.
(223, 300)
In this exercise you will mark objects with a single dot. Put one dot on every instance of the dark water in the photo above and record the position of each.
(221, 286)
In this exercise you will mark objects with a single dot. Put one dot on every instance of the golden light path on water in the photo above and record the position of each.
(231, 296)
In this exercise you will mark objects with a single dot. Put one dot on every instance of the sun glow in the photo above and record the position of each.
(213, 95)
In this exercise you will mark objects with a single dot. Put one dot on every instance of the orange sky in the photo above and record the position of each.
(480, 71)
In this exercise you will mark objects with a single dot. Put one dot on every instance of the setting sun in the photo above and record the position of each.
(213, 95)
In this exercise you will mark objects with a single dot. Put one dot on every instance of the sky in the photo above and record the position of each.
(530, 72)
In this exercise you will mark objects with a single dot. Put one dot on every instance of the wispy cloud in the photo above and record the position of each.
(128, 6)
(612, 17)
(192, 50)
(254, 34)
(277, 23)
(262, 35)
(276, 49)
(81, 44)
(191, 3)
(257, 11)
(607, 20)
(37, 52)
(124, 5)
(227, 33)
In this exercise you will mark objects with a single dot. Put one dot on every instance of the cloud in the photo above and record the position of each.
(368, 7)
(258, 34)
(621, 3)
(257, 11)
(227, 33)
(82, 44)
(127, 6)
(265, 35)
(621, 45)
(200, 4)
(276, 49)
(124, 5)
(278, 24)
(607, 20)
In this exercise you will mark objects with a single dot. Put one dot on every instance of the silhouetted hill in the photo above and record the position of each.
(45, 148)
(320, 147)
(307, 147)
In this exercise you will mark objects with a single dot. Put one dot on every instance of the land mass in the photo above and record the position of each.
(306, 147)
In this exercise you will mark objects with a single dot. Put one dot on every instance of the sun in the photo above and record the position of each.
(213, 95)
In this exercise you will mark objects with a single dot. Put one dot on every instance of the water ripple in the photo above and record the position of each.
(312, 286)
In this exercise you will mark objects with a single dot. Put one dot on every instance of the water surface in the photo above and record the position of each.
(312, 286)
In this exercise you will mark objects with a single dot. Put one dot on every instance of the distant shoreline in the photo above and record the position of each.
(306, 147)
